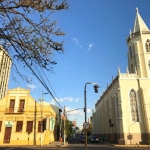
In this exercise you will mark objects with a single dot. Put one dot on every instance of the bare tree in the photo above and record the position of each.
(28, 31)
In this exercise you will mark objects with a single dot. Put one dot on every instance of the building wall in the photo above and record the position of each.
(31, 112)
(5, 65)
(132, 130)
(118, 109)
(129, 109)
(105, 110)
(58, 111)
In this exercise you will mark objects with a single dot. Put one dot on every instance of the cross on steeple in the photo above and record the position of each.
(139, 24)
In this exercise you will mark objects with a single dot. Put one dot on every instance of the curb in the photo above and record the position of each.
(129, 145)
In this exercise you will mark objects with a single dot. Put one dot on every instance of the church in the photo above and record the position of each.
(122, 113)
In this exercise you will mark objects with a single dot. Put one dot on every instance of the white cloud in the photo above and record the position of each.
(53, 102)
(89, 110)
(69, 99)
(76, 112)
(90, 46)
(76, 40)
(77, 99)
(31, 86)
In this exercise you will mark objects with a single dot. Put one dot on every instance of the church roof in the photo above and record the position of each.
(139, 24)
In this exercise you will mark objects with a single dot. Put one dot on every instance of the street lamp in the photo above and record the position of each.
(96, 86)
(42, 115)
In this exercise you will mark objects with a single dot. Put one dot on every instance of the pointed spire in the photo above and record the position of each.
(139, 24)
(135, 70)
(127, 70)
(93, 110)
(118, 70)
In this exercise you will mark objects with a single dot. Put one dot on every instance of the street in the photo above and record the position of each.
(75, 144)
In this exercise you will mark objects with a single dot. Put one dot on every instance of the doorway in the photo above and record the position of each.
(7, 135)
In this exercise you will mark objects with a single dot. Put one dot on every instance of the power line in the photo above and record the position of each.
(41, 80)
(74, 109)
(32, 69)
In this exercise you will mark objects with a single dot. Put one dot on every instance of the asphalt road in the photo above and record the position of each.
(75, 144)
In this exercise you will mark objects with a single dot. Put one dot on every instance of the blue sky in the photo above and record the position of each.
(95, 45)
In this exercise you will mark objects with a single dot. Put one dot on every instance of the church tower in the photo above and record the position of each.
(139, 48)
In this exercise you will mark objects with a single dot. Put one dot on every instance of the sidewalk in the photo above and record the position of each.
(53, 144)
(133, 145)
(57, 144)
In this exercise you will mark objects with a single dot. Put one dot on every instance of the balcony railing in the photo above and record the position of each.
(14, 110)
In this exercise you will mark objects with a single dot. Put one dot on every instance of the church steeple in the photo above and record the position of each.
(139, 48)
(139, 24)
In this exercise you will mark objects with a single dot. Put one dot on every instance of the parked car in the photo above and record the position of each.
(83, 139)
(94, 139)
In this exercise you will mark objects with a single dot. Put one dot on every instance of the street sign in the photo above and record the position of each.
(86, 125)
(8, 123)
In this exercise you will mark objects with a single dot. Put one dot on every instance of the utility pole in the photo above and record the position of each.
(85, 109)
(41, 118)
(64, 126)
(85, 116)
(60, 139)
(35, 124)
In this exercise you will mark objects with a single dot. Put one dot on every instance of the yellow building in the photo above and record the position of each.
(20, 119)
(122, 113)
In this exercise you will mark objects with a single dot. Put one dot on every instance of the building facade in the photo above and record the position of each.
(122, 113)
(5, 66)
(58, 112)
(20, 120)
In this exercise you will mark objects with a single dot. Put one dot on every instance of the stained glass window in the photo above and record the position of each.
(134, 107)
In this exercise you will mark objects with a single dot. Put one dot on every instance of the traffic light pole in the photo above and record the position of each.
(85, 110)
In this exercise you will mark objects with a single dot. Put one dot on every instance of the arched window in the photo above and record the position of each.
(134, 107)
(130, 53)
(132, 68)
(149, 64)
(147, 45)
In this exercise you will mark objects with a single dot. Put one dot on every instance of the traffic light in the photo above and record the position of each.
(96, 88)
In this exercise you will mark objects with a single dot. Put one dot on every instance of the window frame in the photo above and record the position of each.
(147, 45)
(39, 126)
(0, 126)
(132, 70)
(149, 64)
(133, 106)
(130, 50)
(12, 105)
(19, 126)
(29, 127)
(21, 107)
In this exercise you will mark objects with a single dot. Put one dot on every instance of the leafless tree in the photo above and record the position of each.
(28, 31)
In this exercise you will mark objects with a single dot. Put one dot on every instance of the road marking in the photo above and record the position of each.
(9, 149)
